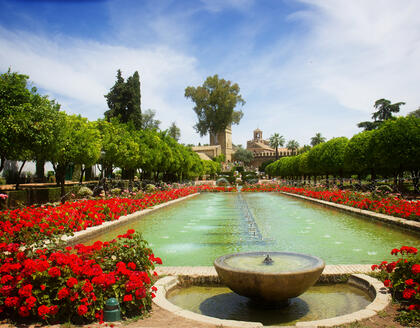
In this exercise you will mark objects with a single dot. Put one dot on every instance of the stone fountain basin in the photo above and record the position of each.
(268, 283)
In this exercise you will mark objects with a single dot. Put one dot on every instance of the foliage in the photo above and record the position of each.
(402, 277)
(56, 285)
(243, 155)
(84, 192)
(124, 100)
(383, 113)
(292, 145)
(35, 224)
(276, 141)
(379, 203)
(317, 139)
(148, 120)
(174, 131)
(215, 102)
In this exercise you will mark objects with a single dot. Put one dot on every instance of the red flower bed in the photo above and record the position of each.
(207, 188)
(32, 224)
(388, 205)
(402, 277)
(61, 285)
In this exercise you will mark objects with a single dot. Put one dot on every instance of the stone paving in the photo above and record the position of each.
(210, 271)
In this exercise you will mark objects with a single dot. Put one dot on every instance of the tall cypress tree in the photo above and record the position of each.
(124, 100)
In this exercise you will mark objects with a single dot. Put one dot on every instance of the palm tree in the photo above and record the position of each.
(292, 145)
(276, 140)
(317, 139)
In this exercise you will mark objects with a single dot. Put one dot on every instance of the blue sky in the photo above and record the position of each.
(303, 66)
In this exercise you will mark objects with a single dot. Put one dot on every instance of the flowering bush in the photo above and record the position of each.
(61, 285)
(402, 277)
(207, 188)
(367, 201)
(33, 224)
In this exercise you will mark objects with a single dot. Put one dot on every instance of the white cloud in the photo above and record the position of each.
(78, 73)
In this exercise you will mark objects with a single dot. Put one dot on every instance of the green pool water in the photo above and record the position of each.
(319, 302)
(197, 231)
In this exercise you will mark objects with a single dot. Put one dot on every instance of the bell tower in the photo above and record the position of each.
(224, 139)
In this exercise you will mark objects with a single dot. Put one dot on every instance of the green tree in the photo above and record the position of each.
(77, 143)
(383, 113)
(124, 100)
(148, 120)
(215, 102)
(304, 149)
(314, 161)
(174, 131)
(361, 155)
(293, 145)
(15, 98)
(276, 141)
(415, 113)
(398, 146)
(243, 155)
(317, 139)
(332, 158)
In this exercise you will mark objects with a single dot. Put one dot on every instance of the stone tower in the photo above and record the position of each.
(224, 139)
(258, 135)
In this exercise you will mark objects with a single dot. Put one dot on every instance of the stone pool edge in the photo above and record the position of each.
(91, 232)
(404, 223)
(380, 295)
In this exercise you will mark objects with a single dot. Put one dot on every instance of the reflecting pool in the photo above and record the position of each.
(198, 230)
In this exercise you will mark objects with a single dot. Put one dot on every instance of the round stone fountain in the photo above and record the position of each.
(272, 277)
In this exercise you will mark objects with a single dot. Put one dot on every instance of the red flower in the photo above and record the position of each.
(408, 293)
(87, 287)
(54, 272)
(415, 269)
(26, 291)
(42, 287)
(24, 311)
(71, 282)
(43, 310)
(82, 310)
(409, 282)
(53, 310)
(387, 283)
(12, 301)
(30, 301)
(131, 265)
(128, 298)
(63, 293)
(395, 251)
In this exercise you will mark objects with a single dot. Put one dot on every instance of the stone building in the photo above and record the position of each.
(220, 143)
(262, 150)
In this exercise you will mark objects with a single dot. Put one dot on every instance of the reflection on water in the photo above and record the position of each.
(216, 224)
(319, 302)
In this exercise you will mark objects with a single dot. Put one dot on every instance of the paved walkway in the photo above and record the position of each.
(210, 271)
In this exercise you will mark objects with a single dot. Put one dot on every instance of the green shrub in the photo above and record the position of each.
(150, 188)
(84, 192)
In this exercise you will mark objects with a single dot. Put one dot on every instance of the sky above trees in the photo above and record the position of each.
(303, 66)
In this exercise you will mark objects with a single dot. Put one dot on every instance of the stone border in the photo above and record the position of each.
(91, 232)
(404, 223)
(380, 295)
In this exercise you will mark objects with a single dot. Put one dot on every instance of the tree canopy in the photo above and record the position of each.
(215, 103)
(383, 113)
(276, 141)
(124, 100)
